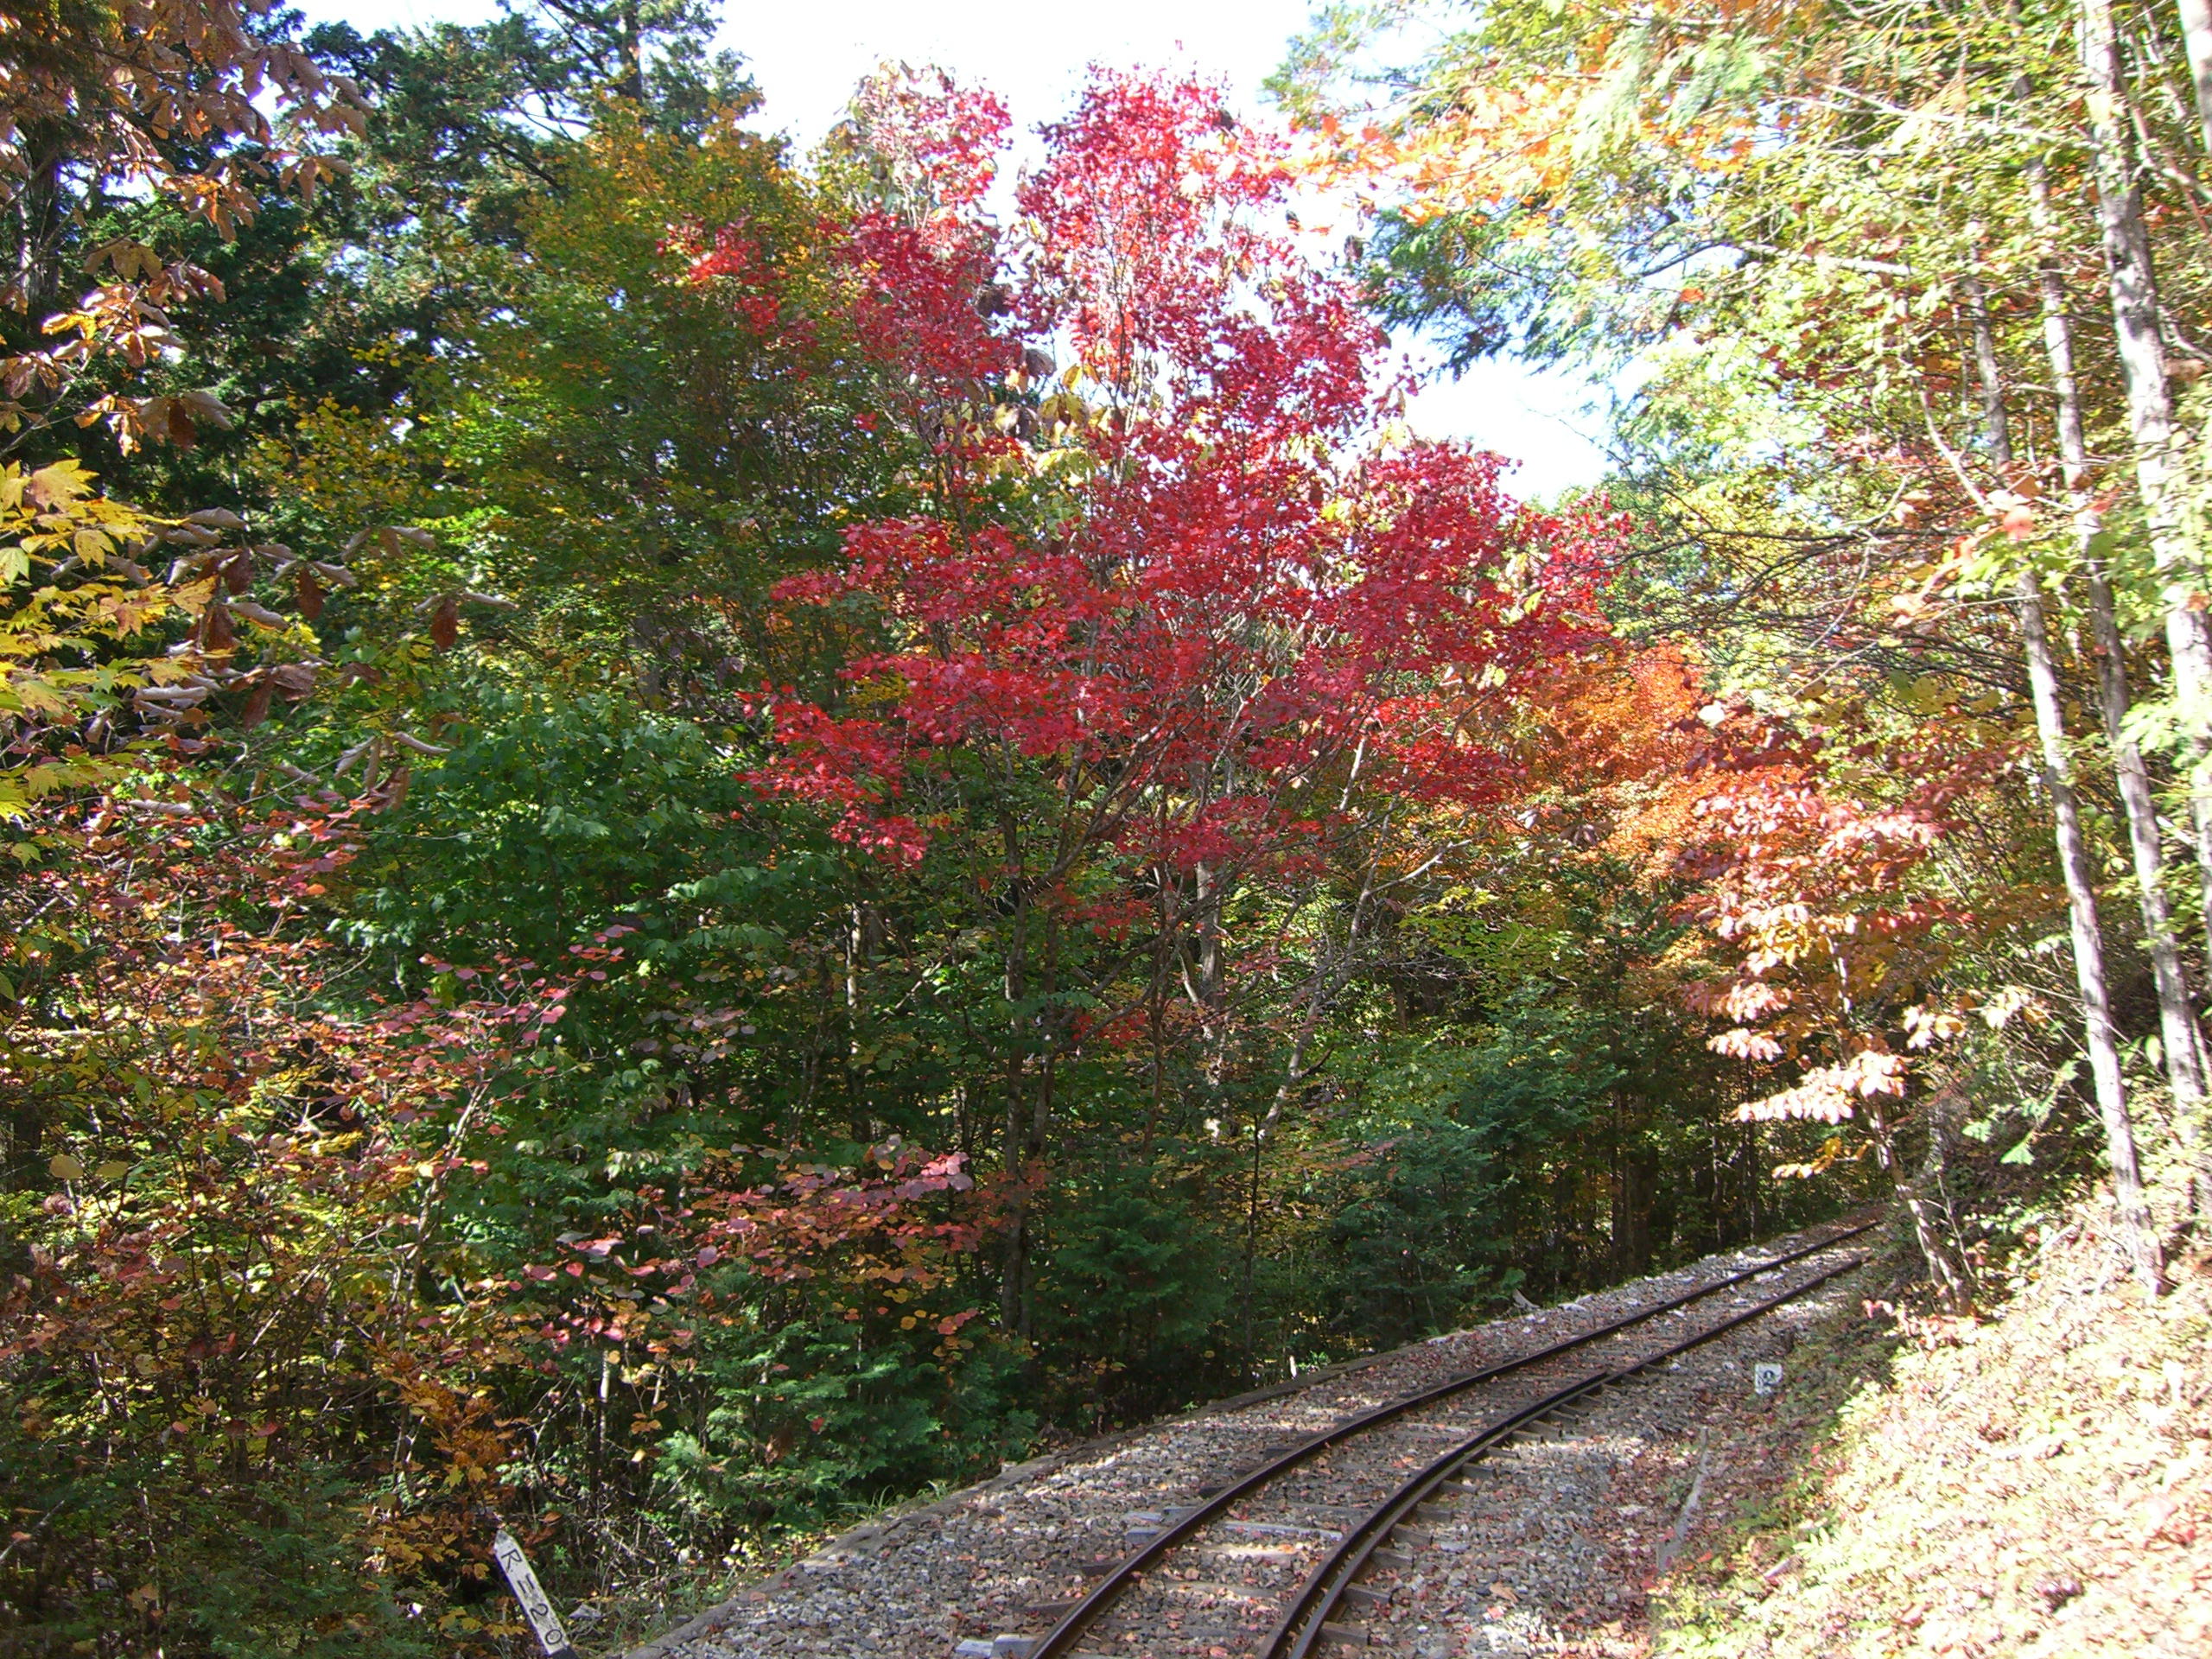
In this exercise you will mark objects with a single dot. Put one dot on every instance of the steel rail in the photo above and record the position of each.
(1305, 1622)
(1061, 1639)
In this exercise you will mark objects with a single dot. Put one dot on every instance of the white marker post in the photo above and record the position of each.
(537, 1606)
(1766, 1378)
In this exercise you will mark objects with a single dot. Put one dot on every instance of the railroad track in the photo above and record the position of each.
(1280, 1549)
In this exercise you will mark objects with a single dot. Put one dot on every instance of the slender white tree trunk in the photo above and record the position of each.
(2134, 293)
(2177, 1031)
(2196, 39)
(2139, 1234)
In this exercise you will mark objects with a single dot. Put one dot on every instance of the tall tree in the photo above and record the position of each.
(2160, 465)
(1194, 645)
(2101, 1035)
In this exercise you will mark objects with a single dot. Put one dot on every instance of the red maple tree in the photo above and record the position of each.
(1190, 614)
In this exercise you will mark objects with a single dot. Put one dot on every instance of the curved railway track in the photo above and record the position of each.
(1339, 1498)
(1211, 1526)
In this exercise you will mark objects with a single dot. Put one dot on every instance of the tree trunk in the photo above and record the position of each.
(1260, 1127)
(2196, 38)
(2134, 292)
(1943, 1112)
(1636, 1184)
(1156, 1031)
(2182, 1052)
(2138, 1235)
(632, 84)
(1951, 1285)
(1045, 1038)
(1014, 1286)
(45, 218)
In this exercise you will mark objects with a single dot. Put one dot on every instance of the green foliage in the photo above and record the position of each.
(1138, 1283)
(598, 811)
(1467, 1176)
(270, 1569)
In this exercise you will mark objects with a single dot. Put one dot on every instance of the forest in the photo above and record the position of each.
(698, 835)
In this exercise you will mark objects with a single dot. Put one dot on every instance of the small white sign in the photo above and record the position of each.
(1766, 1378)
(537, 1606)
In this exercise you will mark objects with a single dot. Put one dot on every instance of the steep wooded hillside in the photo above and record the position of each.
(2037, 1481)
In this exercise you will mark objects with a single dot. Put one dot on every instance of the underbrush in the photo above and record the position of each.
(2034, 1481)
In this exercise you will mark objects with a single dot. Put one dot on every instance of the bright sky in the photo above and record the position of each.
(806, 57)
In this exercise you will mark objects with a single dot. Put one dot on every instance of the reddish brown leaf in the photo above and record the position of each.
(295, 680)
(445, 627)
